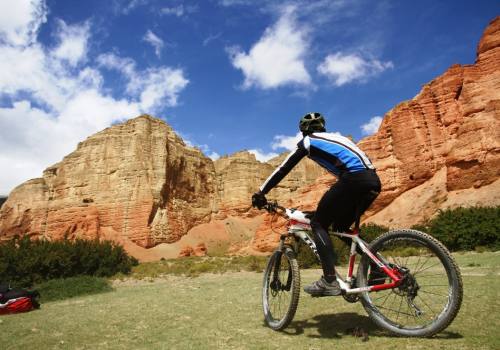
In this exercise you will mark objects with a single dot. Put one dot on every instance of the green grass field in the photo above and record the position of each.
(223, 311)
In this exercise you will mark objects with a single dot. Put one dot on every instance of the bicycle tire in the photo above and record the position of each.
(291, 274)
(454, 288)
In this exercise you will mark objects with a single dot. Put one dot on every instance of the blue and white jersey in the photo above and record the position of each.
(336, 153)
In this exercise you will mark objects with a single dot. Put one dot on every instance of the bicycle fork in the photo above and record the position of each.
(276, 283)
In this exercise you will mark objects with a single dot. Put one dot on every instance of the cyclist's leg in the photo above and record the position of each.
(358, 191)
(338, 205)
(330, 208)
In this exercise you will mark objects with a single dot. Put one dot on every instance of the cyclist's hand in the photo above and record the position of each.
(259, 200)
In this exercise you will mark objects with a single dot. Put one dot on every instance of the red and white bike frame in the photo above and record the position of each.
(300, 228)
(393, 274)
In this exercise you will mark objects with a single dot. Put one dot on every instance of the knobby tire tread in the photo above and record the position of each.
(289, 253)
(433, 329)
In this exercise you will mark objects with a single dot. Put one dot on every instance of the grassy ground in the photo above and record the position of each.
(216, 311)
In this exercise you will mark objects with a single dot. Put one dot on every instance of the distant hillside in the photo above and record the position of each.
(2, 200)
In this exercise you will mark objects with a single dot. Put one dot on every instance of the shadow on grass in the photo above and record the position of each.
(336, 326)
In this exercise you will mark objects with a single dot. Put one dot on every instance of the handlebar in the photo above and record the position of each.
(272, 207)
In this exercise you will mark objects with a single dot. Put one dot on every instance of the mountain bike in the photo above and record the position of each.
(407, 281)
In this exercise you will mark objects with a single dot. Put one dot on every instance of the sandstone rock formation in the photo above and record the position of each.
(240, 175)
(139, 184)
(198, 250)
(452, 126)
(135, 182)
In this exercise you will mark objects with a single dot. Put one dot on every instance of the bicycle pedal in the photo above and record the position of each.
(323, 295)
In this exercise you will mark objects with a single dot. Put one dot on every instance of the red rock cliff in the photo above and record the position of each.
(451, 128)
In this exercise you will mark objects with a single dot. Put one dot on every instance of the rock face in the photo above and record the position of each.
(135, 181)
(240, 175)
(139, 184)
(452, 125)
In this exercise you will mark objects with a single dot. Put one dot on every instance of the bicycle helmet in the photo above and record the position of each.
(312, 122)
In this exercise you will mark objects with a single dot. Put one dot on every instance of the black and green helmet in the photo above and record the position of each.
(312, 122)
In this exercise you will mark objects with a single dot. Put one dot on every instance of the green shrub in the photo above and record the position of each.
(59, 289)
(468, 228)
(306, 257)
(194, 266)
(371, 231)
(25, 262)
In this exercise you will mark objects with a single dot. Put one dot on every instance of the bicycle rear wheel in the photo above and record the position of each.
(281, 289)
(430, 295)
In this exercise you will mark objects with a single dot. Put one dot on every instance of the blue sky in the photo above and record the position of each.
(227, 75)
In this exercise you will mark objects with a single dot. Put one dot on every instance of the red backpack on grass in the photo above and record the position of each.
(14, 300)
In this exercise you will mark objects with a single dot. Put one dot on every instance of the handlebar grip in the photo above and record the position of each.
(272, 206)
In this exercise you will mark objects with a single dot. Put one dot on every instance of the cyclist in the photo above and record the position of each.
(356, 188)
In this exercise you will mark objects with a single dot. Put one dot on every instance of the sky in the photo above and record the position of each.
(227, 75)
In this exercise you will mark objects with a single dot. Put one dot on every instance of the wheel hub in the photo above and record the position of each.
(408, 286)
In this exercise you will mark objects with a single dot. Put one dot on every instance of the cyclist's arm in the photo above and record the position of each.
(285, 167)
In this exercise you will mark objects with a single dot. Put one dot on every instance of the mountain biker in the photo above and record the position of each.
(356, 188)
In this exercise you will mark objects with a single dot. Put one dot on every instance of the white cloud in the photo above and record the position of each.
(345, 68)
(122, 64)
(372, 126)
(133, 4)
(73, 42)
(156, 87)
(211, 38)
(214, 155)
(179, 10)
(55, 98)
(20, 21)
(262, 156)
(280, 142)
(175, 10)
(204, 148)
(236, 2)
(277, 59)
(154, 41)
(287, 142)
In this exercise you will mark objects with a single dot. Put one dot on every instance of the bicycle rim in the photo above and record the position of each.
(281, 288)
(429, 297)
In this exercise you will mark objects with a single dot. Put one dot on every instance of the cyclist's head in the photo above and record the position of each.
(312, 122)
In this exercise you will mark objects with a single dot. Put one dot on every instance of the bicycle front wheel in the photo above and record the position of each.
(281, 289)
(430, 294)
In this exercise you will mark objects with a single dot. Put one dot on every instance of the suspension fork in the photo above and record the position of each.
(277, 263)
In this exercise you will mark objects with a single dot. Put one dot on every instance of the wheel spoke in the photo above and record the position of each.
(433, 285)
(427, 292)
(421, 266)
(389, 309)
(426, 304)
(400, 304)
(388, 295)
(428, 267)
